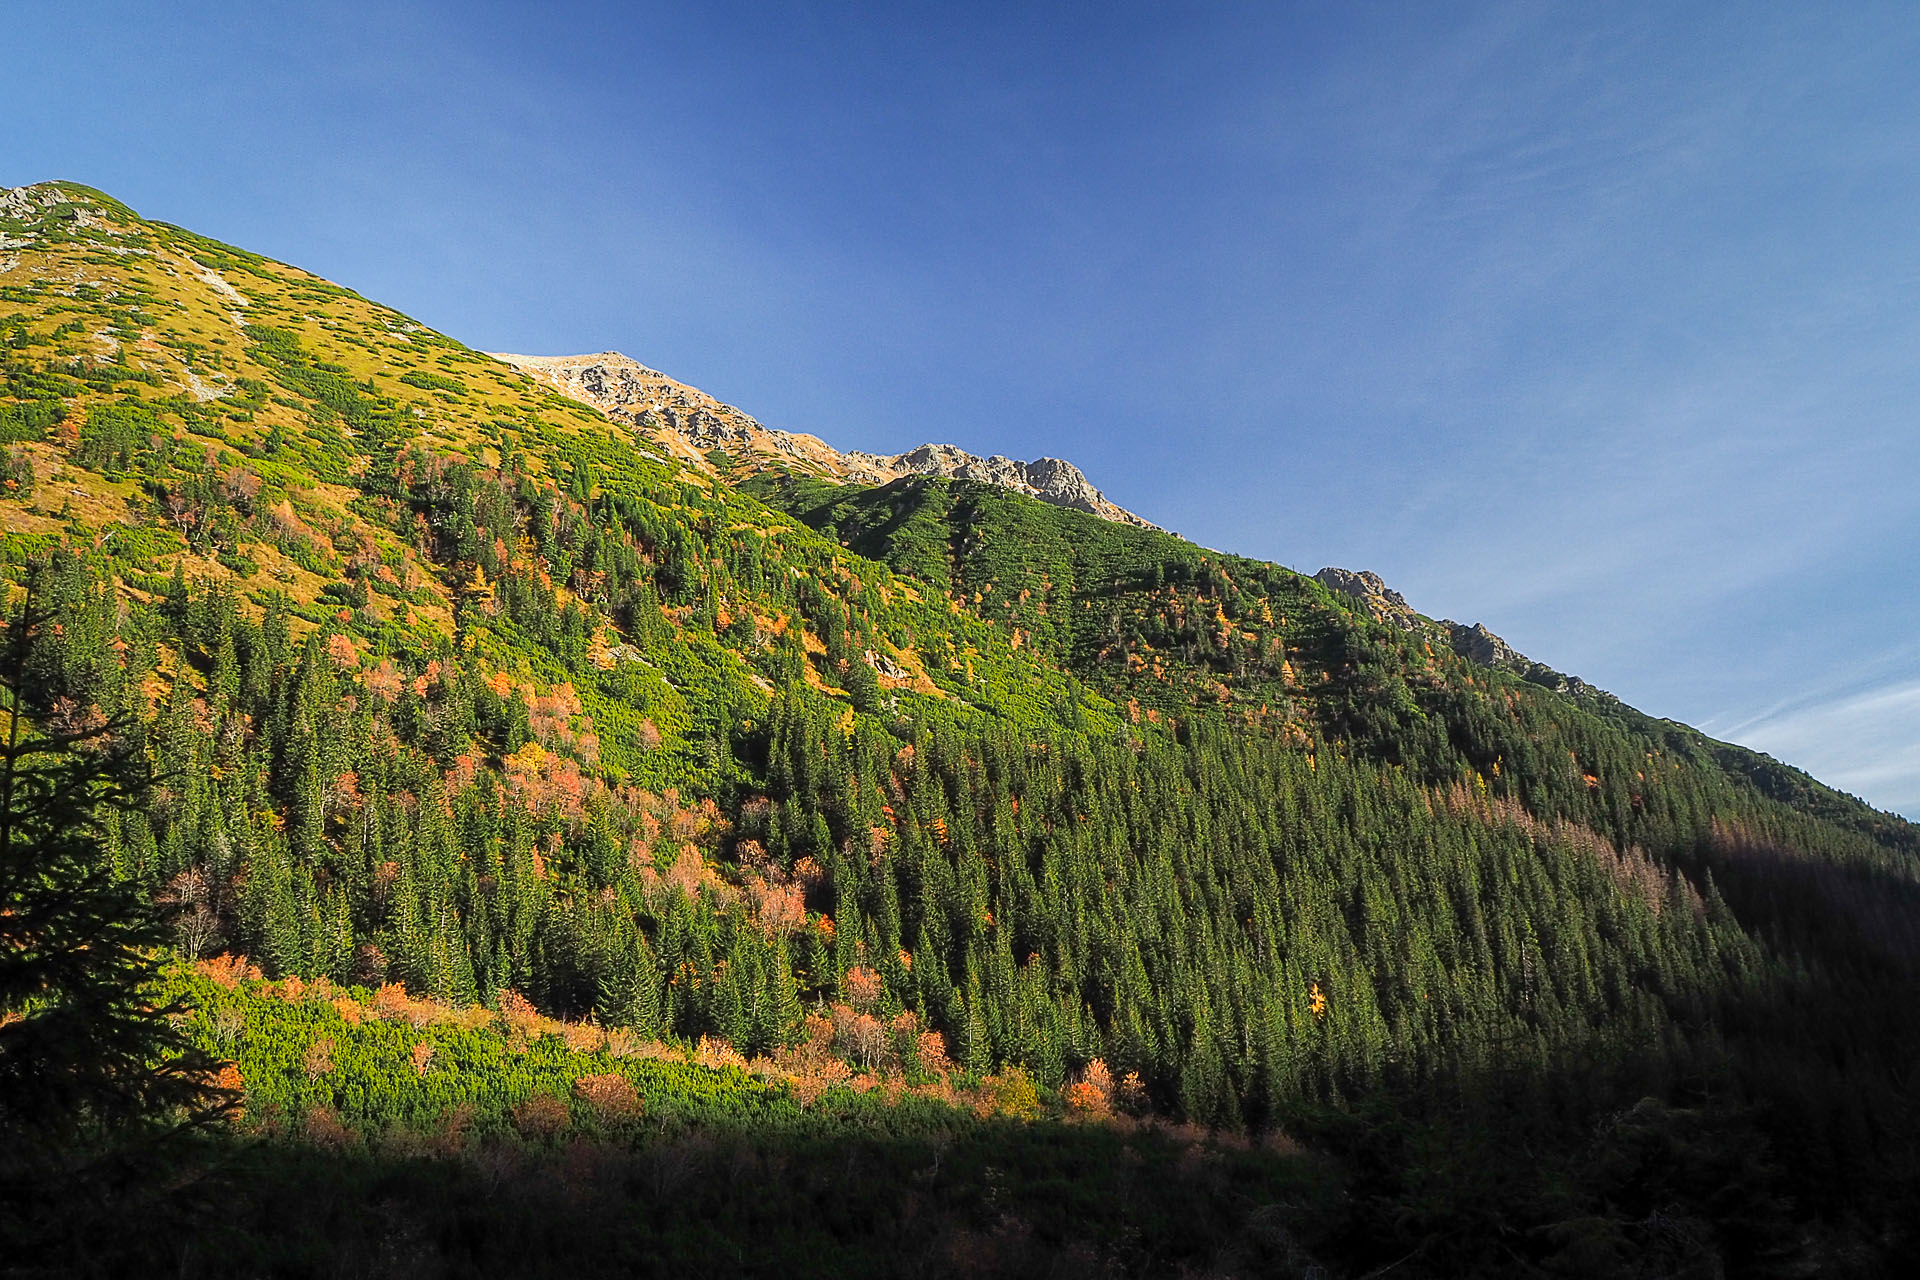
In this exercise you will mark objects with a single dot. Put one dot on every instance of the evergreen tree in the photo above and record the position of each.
(82, 1052)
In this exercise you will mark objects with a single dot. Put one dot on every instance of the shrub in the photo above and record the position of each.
(611, 1097)
(1011, 1093)
(541, 1116)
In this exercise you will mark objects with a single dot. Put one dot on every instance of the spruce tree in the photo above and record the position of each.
(84, 1052)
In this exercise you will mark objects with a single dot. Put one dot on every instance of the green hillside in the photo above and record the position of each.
(1172, 632)
(900, 814)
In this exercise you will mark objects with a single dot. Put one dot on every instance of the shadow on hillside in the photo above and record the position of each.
(1000, 1199)
(1772, 1136)
(1508, 1172)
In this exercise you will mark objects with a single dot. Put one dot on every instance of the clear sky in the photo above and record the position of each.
(1595, 323)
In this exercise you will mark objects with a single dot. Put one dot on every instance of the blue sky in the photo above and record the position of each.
(1593, 323)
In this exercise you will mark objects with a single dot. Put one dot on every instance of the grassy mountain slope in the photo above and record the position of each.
(460, 692)
(177, 402)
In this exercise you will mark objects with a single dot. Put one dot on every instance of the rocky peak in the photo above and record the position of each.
(31, 203)
(1382, 601)
(691, 424)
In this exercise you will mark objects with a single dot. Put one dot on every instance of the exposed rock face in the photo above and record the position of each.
(684, 420)
(1382, 601)
(1477, 644)
(1482, 646)
(27, 204)
(25, 210)
(690, 424)
(1474, 643)
(1052, 480)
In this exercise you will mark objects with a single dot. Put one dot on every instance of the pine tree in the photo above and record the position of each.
(82, 1051)
(630, 993)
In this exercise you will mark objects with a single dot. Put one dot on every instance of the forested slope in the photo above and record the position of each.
(453, 685)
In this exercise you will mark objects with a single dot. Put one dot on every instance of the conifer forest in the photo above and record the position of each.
(504, 845)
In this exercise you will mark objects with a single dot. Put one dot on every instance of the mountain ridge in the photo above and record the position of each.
(1474, 642)
(692, 424)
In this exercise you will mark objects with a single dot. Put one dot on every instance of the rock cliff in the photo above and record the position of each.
(1382, 601)
(692, 424)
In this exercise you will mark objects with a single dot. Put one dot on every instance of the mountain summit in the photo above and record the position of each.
(691, 424)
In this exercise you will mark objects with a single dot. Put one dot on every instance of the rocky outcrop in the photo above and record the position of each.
(1477, 644)
(691, 424)
(30, 204)
(1052, 480)
(1380, 600)
(1474, 643)
(684, 420)
(33, 208)
(1480, 645)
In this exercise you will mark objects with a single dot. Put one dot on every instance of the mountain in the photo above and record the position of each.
(885, 809)
(698, 428)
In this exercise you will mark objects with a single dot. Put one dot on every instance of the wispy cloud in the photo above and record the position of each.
(1866, 742)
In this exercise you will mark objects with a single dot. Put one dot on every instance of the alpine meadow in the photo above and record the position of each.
(458, 826)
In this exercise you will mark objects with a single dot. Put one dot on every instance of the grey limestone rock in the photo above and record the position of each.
(1482, 646)
(670, 411)
(1382, 601)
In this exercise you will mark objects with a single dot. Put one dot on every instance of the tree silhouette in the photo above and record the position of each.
(84, 1053)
